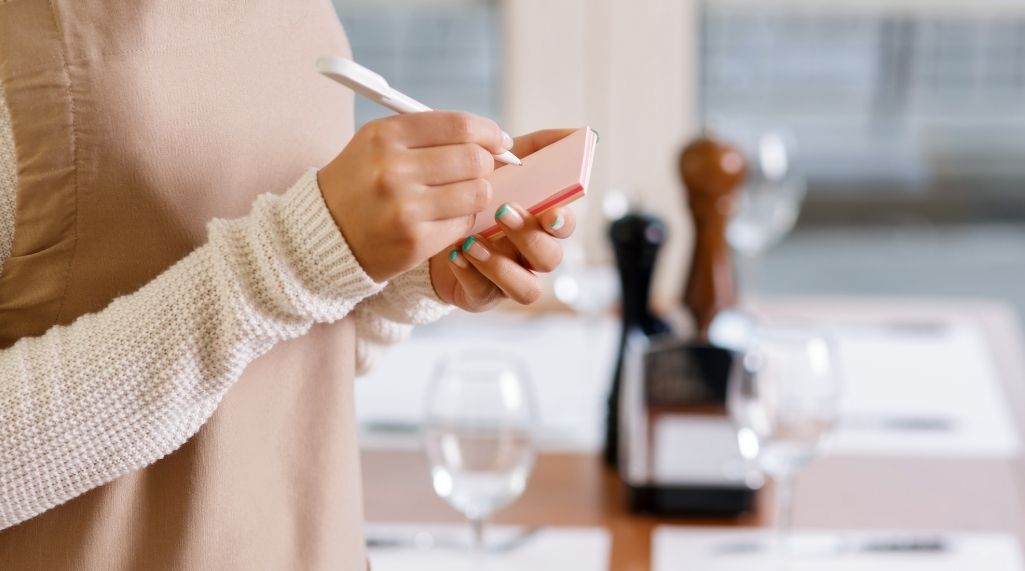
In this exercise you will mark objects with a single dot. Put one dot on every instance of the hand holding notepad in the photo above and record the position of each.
(416, 191)
(553, 176)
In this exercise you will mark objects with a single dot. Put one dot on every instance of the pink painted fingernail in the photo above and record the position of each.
(458, 260)
(474, 248)
(510, 217)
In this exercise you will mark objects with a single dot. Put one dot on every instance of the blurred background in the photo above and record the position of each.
(903, 120)
(883, 209)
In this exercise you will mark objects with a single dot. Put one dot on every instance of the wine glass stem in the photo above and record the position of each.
(477, 524)
(753, 271)
(783, 521)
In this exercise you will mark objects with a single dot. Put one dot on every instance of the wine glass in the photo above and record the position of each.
(478, 429)
(769, 201)
(783, 404)
(590, 290)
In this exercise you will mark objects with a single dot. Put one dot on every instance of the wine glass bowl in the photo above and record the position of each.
(478, 432)
(784, 402)
(769, 201)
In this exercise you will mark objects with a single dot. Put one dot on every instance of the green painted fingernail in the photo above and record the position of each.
(453, 255)
(502, 211)
(469, 242)
(557, 223)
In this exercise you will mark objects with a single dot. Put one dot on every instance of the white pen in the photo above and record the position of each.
(376, 88)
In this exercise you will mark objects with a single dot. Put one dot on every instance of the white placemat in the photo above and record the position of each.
(569, 359)
(684, 549)
(921, 392)
(925, 391)
(402, 547)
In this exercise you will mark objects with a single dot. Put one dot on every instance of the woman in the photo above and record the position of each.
(178, 346)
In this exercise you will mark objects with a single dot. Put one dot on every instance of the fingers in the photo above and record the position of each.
(440, 233)
(485, 270)
(466, 198)
(436, 128)
(478, 292)
(507, 274)
(559, 222)
(539, 248)
(451, 163)
(532, 142)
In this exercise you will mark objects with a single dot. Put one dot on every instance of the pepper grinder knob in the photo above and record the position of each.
(636, 240)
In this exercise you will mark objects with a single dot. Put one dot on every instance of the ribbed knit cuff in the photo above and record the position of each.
(414, 292)
(322, 258)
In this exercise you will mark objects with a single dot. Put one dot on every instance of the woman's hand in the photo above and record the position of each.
(476, 274)
(407, 186)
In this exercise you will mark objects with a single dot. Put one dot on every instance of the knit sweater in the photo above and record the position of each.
(117, 390)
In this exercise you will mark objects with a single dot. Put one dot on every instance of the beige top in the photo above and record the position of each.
(127, 126)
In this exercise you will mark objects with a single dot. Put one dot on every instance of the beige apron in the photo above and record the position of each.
(135, 123)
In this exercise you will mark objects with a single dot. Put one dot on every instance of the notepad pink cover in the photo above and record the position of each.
(557, 174)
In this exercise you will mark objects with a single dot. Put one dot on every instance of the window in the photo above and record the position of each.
(924, 106)
(444, 54)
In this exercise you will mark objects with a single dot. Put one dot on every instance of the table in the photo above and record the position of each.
(836, 492)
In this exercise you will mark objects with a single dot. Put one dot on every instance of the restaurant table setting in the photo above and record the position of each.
(687, 415)
(926, 391)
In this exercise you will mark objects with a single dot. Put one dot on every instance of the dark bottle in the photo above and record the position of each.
(636, 240)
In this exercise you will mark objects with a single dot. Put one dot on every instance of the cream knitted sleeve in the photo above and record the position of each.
(119, 389)
(389, 316)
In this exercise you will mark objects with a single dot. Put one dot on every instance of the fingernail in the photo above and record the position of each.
(509, 216)
(507, 140)
(473, 248)
(559, 222)
(456, 259)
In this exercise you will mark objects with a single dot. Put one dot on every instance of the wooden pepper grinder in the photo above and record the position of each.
(711, 173)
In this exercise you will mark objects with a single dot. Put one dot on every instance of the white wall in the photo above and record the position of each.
(627, 68)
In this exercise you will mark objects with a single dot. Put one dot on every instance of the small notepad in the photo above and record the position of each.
(557, 174)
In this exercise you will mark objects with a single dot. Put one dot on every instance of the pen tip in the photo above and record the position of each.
(509, 159)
